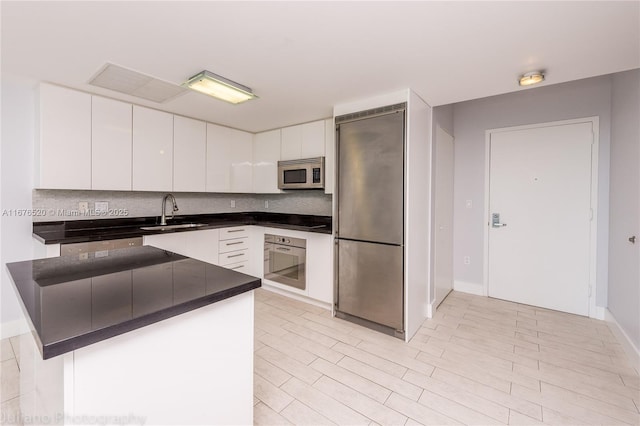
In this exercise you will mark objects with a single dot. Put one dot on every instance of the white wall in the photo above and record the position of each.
(577, 99)
(624, 257)
(18, 112)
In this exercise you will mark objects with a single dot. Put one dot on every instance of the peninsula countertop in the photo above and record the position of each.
(72, 303)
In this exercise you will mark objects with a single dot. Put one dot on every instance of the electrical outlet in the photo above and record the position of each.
(266, 204)
(102, 206)
(233, 204)
(83, 207)
(467, 260)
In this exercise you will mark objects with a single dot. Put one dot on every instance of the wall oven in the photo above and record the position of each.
(301, 174)
(285, 260)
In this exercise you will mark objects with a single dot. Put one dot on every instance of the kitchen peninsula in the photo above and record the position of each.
(138, 333)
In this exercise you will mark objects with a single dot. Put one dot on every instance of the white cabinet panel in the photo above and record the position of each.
(303, 141)
(201, 245)
(291, 145)
(266, 153)
(234, 232)
(312, 140)
(65, 139)
(111, 144)
(229, 160)
(189, 154)
(320, 267)
(329, 155)
(233, 257)
(152, 150)
(233, 245)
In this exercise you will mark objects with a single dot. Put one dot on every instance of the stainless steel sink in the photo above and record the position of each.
(172, 227)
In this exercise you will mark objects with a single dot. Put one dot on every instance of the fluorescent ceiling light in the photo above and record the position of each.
(219, 87)
(531, 78)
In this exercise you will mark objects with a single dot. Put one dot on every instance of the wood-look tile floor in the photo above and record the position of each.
(480, 361)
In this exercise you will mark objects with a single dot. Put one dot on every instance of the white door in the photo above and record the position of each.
(540, 185)
(443, 215)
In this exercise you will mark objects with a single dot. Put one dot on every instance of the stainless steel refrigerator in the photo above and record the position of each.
(369, 224)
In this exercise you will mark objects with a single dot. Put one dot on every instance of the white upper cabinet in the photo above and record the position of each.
(189, 154)
(266, 153)
(152, 150)
(229, 160)
(110, 144)
(303, 141)
(330, 155)
(65, 139)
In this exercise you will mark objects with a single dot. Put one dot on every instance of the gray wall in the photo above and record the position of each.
(578, 99)
(63, 205)
(624, 257)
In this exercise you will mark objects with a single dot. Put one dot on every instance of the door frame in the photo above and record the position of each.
(593, 237)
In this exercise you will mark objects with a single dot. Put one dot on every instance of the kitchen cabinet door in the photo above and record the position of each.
(111, 139)
(329, 155)
(241, 156)
(189, 154)
(152, 150)
(266, 153)
(320, 266)
(303, 141)
(312, 140)
(64, 151)
(229, 160)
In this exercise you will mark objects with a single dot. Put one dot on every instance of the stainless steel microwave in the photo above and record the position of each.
(307, 173)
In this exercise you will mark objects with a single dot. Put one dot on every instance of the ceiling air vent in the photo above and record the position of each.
(133, 83)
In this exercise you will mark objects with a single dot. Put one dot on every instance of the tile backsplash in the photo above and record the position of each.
(53, 205)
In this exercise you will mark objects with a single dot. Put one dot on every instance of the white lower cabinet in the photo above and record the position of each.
(201, 245)
(319, 264)
(233, 248)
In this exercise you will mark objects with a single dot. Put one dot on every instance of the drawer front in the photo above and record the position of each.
(233, 257)
(232, 245)
(240, 267)
(235, 232)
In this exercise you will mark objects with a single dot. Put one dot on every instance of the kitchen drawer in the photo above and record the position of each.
(236, 232)
(237, 256)
(240, 267)
(232, 245)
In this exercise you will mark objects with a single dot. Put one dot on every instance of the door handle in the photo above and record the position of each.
(632, 239)
(495, 221)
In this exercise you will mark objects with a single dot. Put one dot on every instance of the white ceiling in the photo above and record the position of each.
(302, 58)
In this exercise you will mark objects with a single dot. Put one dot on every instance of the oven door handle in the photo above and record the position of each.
(283, 248)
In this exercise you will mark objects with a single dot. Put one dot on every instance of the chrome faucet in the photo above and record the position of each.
(163, 218)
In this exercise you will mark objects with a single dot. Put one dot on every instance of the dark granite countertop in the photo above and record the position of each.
(72, 303)
(79, 231)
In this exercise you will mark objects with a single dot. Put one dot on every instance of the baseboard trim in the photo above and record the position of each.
(468, 287)
(630, 348)
(429, 310)
(13, 328)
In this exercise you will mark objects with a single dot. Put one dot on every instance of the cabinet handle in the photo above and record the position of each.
(235, 230)
(237, 267)
(235, 255)
(632, 239)
(233, 244)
